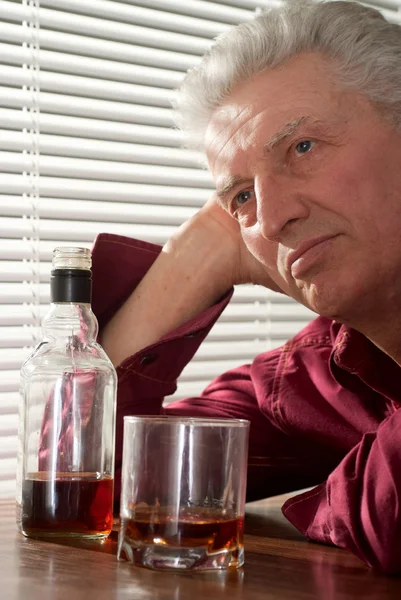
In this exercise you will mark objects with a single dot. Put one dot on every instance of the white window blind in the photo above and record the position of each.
(87, 145)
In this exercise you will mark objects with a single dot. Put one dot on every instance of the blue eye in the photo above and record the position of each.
(304, 147)
(242, 198)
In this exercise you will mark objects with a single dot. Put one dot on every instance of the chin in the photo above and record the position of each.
(330, 301)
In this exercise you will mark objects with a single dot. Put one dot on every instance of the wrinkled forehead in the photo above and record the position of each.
(232, 128)
(264, 103)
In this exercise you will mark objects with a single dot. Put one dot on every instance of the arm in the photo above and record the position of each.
(358, 507)
(276, 463)
(196, 267)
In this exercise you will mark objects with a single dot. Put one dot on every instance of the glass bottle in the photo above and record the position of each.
(67, 415)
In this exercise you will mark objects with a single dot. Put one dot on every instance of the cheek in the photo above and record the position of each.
(360, 185)
(264, 251)
(366, 204)
(341, 181)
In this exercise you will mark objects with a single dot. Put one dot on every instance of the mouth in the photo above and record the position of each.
(307, 254)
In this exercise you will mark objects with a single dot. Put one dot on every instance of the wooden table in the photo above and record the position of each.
(279, 564)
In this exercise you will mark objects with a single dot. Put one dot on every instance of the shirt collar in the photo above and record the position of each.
(355, 353)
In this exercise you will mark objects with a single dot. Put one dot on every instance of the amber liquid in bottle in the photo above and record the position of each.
(67, 506)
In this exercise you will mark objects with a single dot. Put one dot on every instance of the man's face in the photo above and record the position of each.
(312, 173)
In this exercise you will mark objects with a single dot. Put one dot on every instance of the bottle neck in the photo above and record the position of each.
(71, 323)
(70, 319)
(71, 285)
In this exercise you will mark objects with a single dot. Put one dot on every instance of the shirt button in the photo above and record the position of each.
(148, 359)
(191, 335)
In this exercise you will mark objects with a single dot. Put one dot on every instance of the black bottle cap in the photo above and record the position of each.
(71, 285)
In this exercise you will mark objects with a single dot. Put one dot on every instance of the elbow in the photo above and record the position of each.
(382, 553)
(387, 562)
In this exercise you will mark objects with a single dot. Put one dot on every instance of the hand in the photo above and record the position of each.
(204, 258)
(213, 230)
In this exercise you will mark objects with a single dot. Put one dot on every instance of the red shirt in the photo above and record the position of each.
(323, 410)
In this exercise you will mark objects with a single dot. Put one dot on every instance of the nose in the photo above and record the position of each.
(280, 206)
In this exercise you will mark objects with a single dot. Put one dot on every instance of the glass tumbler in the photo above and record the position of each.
(183, 492)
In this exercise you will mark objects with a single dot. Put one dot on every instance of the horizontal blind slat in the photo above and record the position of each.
(88, 128)
(249, 331)
(108, 170)
(9, 401)
(25, 250)
(59, 187)
(9, 382)
(109, 30)
(7, 470)
(87, 107)
(90, 46)
(18, 293)
(264, 311)
(207, 370)
(86, 232)
(9, 423)
(18, 337)
(11, 315)
(8, 486)
(104, 211)
(8, 447)
(116, 11)
(242, 350)
(197, 8)
(256, 293)
(103, 150)
(113, 71)
(11, 359)
(250, 5)
(89, 86)
(15, 271)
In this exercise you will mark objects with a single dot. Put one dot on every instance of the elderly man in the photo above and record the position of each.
(299, 113)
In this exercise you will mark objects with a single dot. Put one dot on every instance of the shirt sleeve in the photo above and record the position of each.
(276, 463)
(359, 506)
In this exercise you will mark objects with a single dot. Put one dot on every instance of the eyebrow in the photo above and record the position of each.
(288, 130)
(231, 182)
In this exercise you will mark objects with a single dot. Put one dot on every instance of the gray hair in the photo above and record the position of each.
(365, 48)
